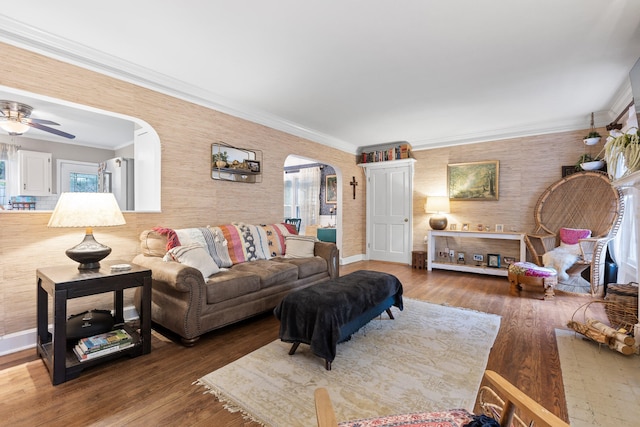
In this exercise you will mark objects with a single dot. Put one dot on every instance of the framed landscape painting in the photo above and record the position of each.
(473, 181)
(331, 187)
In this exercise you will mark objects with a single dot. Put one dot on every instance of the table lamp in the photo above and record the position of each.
(87, 210)
(438, 205)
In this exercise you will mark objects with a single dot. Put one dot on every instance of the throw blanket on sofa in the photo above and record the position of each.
(333, 304)
(172, 236)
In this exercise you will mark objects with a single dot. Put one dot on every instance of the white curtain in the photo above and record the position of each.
(623, 247)
(8, 151)
(8, 154)
(309, 196)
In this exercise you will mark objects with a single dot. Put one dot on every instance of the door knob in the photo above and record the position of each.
(406, 220)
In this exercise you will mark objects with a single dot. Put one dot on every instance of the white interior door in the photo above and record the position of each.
(389, 219)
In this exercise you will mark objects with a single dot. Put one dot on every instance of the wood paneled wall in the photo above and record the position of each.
(191, 198)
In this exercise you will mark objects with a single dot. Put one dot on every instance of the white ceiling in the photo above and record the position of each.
(359, 72)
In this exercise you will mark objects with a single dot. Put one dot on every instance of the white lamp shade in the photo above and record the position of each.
(14, 127)
(437, 204)
(86, 210)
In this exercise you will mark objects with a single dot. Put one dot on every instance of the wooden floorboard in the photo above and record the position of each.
(157, 389)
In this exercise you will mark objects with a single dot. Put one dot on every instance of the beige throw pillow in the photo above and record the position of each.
(299, 246)
(194, 256)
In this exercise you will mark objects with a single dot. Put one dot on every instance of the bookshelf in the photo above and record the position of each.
(384, 153)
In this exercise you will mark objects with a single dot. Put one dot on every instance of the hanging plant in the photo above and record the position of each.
(623, 150)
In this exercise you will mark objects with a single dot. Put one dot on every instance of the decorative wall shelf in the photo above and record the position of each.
(229, 163)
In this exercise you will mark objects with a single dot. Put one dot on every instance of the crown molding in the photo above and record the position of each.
(32, 39)
(601, 119)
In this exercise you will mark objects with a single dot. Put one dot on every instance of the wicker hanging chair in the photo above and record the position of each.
(584, 200)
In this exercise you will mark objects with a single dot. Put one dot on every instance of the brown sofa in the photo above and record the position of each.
(250, 281)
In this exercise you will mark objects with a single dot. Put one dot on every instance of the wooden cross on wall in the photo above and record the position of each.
(354, 183)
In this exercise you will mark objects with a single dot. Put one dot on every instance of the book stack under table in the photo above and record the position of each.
(103, 344)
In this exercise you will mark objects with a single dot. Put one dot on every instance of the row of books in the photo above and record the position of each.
(102, 344)
(402, 151)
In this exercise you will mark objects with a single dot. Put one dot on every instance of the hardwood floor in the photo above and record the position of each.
(157, 389)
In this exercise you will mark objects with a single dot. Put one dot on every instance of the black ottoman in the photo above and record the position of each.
(328, 313)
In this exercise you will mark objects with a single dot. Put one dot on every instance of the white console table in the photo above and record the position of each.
(469, 268)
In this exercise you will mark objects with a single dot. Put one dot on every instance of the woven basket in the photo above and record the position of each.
(623, 317)
(624, 307)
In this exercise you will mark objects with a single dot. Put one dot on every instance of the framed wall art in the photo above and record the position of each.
(569, 170)
(253, 165)
(331, 185)
(493, 260)
(473, 181)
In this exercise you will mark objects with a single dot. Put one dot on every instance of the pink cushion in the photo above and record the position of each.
(571, 236)
(531, 269)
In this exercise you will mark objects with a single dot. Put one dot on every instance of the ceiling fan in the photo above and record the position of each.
(15, 119)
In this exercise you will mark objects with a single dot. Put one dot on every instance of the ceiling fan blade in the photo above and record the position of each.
(41, 121)
(51, 130)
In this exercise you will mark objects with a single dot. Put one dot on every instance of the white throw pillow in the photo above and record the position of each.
(299, 246)
(194, 256)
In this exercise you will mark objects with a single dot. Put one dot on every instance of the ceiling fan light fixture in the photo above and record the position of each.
(14, 127)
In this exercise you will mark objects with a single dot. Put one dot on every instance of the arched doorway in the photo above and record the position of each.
(311, 192)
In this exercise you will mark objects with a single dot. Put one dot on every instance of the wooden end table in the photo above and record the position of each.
(66, 282)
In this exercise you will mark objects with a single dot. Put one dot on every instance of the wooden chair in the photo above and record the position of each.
(498, 399)
(294, 221)
(582, 200)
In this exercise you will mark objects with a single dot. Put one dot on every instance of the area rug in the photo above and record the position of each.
(431, 357)
(601, 386)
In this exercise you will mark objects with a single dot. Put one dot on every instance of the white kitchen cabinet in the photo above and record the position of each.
(34, 173)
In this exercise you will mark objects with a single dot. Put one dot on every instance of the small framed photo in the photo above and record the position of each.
(493, 260)
(499, 228)
(453, 227)
(460, 257)
(465, 226)
(478, 258)
(253, 165)
(508, 260)
(569, 170)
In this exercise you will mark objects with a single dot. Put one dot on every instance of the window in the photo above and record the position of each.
(83, 182)
(291, 203)
(77, 177)
(302, 195)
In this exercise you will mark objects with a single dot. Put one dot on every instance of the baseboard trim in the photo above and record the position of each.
(352, 259)
(24, 340)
